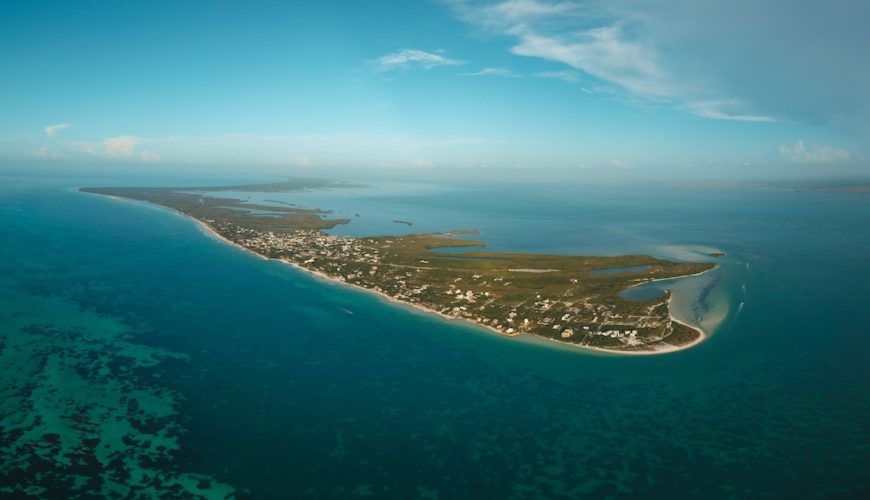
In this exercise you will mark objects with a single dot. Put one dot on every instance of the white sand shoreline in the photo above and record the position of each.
(420, 308)
(702, 335)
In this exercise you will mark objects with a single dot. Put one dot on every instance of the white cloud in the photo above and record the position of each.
(52, 130)
(492, 72)
(120, 147)
(773, 57)
(124, 147)
(304, 161)
(816, 153)
(500, 15)
(716, 111)
(421, 163)
(521, 10)
(409, 58)
(603, 53)
(574, 34)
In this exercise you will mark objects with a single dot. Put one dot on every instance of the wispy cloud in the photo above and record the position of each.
(415, 58)
(506, 14)
(555, 31)
(120, 147)
(718, 110)
(815, 153)
(492, 72)
(296, 150)
(565, 76)
(149, 156)
(603, 53)
(52, 130)
(701, 57)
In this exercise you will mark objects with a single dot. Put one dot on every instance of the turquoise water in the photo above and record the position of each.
(139, 355)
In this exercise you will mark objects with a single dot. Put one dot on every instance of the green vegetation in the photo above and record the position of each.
(552, 296)
(211, 210)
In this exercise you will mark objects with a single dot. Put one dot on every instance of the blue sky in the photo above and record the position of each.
(673, 88)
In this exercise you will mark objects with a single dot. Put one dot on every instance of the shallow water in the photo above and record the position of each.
(257, 377)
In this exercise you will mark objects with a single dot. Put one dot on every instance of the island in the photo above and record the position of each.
(569, 299)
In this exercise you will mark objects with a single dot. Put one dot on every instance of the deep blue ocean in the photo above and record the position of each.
(140, 356)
